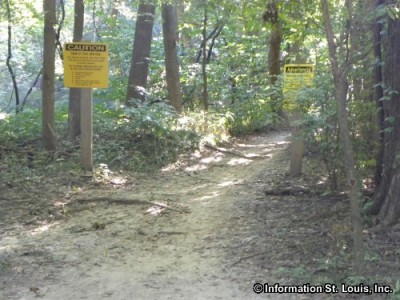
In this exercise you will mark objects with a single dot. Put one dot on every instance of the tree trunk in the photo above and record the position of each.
(274, 66)
(296, 119)
(170, 36)
(9, 56)
(378, 95)
(49, 51)
(274, 54)
(341, 88)
(388, 198)
(115, 8)
(184, 37)
(74, 110)
(137, 81)
(204, 61)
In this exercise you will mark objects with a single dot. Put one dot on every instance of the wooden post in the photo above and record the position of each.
(86, 129)
(297, 142)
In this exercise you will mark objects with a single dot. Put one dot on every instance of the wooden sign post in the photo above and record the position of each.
(86, 129)
(297, 76)
(86, 67)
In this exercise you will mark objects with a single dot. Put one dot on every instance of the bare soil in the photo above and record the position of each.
(203, 228)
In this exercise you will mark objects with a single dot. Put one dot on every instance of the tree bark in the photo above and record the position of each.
(9, 56)
(271, 15)
(341, 88)
(48, 97)
(137, 81)
(274, 66)
(170, 37)
(204, 61)
(74, 109)
(378, 94)
(184, 37)
(388, 197)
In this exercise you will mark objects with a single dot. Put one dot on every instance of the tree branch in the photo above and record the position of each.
(9, 56)
(331, 39)
(213, 42)
(30, 89)
(205, 41)
(59, 27)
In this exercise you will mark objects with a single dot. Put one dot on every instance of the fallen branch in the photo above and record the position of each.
(232, 152)
(290, 190)
(250, 256)
(171, 232)
(127, 201)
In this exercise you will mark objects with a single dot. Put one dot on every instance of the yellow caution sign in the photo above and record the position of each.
(85, 65)
(296, 77)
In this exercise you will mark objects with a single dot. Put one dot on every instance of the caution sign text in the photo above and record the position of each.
(85, 65)
(296, 77)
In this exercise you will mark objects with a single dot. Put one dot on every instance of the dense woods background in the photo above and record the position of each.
(184, 72)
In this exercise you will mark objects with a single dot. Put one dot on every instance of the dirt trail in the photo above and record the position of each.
(110, 251)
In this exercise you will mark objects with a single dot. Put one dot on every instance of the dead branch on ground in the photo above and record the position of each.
(232, 152)
(128, 201)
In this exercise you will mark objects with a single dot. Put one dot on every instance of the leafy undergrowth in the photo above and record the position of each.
(141, 138)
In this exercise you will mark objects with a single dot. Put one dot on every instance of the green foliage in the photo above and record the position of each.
(22, 157)
(364, 135)
(146, 137)
(250, 116)
(239, 88)
(211, 127)
(142, 138)
(321, 128)
(20, 128)
(241, 97)
(25, 127)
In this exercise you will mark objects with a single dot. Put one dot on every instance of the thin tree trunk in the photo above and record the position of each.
(204, 60)
(271, 15)
(184, 37)
(137, 81)
(48, 97)
(74, 110)
(9, 56)
(115, 8)
(341, 87)
(170, 36)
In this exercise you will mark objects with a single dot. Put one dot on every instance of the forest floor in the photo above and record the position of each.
(207, 227)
